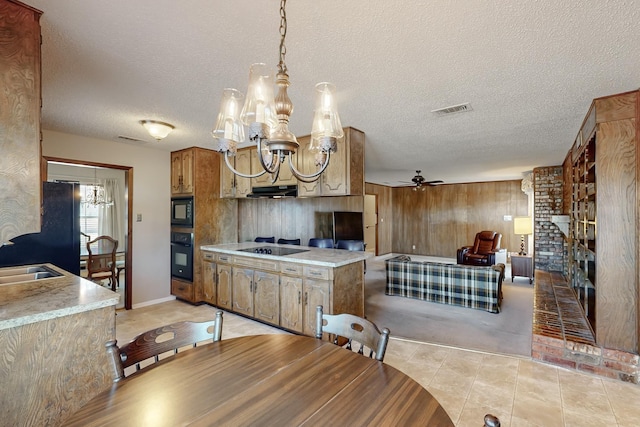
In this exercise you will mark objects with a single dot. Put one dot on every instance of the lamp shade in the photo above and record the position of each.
(326, 121)
(158, 130)
(259, 105)
(522, 225)
(228, 129)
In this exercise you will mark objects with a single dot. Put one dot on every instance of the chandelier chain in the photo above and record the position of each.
(282, 67)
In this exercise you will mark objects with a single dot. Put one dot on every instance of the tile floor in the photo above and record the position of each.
(468, 384)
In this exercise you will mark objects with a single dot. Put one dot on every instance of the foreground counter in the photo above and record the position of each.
(283, 290)
(53, 354)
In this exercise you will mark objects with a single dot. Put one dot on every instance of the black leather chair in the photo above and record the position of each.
(318, 242)
(265, 239)
(483, 251)
(289, 241)
(350, 245)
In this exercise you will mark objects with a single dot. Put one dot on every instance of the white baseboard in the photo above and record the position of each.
(153, 302)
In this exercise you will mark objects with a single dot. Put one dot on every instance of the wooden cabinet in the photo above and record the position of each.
(344, 175)
(196, 171)
(209, 278)
(224, 291)
(256, 294)
(20, 100)
(182, 171)
(284, 293)
(285, 177)
(232, 185)
(604, 173)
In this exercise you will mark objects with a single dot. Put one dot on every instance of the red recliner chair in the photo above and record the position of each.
(483, 251)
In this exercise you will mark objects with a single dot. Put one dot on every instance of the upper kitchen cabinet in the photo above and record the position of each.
(182, 171)
(285, 177)
(231, 185)
(20, 100)
(344, 175)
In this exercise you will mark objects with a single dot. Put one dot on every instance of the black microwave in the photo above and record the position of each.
(182, 211)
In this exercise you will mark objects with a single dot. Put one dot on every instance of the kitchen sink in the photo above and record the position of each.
(9, 276)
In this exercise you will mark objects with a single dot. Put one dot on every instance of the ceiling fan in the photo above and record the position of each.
(420, 183)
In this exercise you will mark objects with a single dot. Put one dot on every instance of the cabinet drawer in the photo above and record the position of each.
(291, 269)
(257, 264)
(208, 256)
(224, 258)
(183, 290)
(323, 273)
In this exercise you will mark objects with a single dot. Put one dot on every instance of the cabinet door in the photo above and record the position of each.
(224, 286)
(316, 292)
(243, 164)
(176, 172)
(227, 178)
(256, 166)
(187, 171)
(291, 303)
(334, 180)
(209, 282)
(266, 289)
(306, 165)
(242, 283)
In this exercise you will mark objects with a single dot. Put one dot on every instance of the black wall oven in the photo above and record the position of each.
(182, 255)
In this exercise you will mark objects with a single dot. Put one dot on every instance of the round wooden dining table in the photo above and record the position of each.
(264, 380)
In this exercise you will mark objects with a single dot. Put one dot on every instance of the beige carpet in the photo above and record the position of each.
(507, 332)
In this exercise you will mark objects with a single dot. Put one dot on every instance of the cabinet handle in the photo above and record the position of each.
(299, 297)
(251, 286)
(306, 298)
(255, 287)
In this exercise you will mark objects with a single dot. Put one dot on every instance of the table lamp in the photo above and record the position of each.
(522, 225)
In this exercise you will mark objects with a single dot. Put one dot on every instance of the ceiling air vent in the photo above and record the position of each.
(129, 139)
(460, 108)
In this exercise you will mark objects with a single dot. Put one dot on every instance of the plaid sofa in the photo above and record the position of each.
(456, 284)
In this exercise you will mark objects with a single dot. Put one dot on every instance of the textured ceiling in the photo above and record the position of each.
(529, 69)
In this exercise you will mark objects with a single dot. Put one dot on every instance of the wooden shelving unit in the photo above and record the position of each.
(604, 246)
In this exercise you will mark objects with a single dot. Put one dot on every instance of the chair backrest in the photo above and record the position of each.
(350, 245)
(102, 255)
(486, 241)
(289, 241)
(271, 239)
(317, 242)
(153, 343)
(354, 329)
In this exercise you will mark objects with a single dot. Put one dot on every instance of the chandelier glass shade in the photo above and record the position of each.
(267, 118)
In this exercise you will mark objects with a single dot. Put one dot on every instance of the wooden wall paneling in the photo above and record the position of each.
(616, 107)
(292, 218)
(616, 240)
(567, 184)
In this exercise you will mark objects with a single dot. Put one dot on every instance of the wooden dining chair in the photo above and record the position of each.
(101, 261)
(169, 338)
(355, 331)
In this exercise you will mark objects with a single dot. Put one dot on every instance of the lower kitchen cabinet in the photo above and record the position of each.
(256, 294)
(282, 293)
(224, 286)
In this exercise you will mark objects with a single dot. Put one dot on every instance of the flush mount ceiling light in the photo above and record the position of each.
(268, 120)
(158, 130)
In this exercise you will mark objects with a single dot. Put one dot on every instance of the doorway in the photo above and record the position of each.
(125, 264)
(371, 223)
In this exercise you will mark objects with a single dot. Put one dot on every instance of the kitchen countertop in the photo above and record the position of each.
(34, 301)
(311, 256)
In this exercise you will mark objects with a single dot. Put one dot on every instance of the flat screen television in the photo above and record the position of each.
(348, 226)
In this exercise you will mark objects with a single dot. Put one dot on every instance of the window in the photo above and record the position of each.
(88, 217)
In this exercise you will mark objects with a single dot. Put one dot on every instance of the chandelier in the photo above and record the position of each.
(267, 119)
(96, 195)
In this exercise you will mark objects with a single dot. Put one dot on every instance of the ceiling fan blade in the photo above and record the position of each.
(438, 181)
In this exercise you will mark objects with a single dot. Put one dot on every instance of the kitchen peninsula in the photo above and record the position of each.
(282, 288)
(54, 333)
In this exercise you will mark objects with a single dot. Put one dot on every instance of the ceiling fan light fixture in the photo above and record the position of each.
(158, 130)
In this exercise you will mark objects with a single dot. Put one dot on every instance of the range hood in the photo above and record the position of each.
(274, 191)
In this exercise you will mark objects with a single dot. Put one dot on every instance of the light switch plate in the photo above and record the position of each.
(507, 218)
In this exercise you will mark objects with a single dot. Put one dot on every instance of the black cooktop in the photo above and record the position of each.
(273, 250)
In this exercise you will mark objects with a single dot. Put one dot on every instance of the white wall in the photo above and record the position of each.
(151, 271)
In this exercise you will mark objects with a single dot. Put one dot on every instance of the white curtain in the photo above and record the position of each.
(110, 215)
